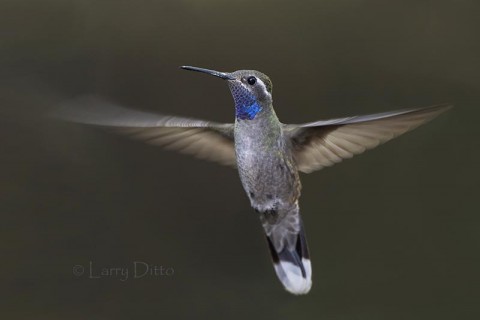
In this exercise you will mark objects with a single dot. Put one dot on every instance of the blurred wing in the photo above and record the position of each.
(323, 143)
(206, 140)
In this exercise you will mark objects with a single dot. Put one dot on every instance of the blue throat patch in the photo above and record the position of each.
(246, 106)
(246, 111)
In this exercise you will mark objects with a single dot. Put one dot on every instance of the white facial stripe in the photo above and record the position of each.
(264, 87)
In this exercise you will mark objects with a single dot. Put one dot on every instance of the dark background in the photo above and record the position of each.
(394, 233)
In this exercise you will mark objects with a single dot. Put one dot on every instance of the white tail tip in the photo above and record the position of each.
(292, 278)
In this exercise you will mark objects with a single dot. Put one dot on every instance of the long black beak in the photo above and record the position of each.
(219, 74)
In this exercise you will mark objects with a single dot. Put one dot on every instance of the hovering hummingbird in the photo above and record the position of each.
(267, 153)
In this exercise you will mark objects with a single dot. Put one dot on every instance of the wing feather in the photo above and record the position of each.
(323, 143)
(203, 139)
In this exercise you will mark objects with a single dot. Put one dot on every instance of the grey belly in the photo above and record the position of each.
(270, 183)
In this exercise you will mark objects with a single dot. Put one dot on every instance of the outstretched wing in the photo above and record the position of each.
(203, 139)
(323, 143)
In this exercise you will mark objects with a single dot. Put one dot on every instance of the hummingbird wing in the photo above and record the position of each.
(203, 139)
(323, 143)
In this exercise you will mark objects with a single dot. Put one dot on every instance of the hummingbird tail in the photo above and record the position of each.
(289, 250)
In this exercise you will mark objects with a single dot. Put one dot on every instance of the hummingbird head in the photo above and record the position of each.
(251, 90)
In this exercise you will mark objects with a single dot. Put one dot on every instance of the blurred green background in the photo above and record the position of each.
(394, 233)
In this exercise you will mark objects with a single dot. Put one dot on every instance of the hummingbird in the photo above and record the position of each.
(267, 153)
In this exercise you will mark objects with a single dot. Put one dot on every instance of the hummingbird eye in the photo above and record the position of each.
(251, 80)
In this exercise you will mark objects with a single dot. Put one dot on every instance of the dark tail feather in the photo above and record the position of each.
(292, 261)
